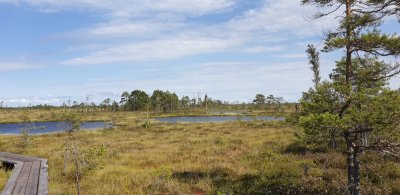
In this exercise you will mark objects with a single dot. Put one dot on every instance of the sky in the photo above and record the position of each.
(55, 50)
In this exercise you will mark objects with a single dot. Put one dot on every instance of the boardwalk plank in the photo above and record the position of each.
(16, 157)
(29, 175)
(33, 182)
(23, 178)
(10, 185)
(43, 178)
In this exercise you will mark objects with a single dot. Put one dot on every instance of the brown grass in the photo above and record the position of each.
(233, 157)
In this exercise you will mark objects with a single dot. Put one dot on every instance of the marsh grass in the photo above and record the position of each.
(252, 157)
(4, 175)
(55, 114)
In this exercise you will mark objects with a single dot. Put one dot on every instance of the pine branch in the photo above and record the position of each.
(320, 15)
(364, 130)
(344, 107)
(380, 145)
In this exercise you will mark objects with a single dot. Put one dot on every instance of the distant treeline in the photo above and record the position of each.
(166, 101)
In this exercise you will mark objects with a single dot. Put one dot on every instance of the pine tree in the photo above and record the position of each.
(313, 56)
(356, 106)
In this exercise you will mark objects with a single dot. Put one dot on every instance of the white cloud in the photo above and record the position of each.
(226, 80)
(274, 22)
(169, 48)
(291, 55)
(272, 31)
(31, 100)
(130, 8)
(120, 28)
(262, 49)
(283, 16)
(126, 29)
(57, 100)
(13, 66)
(195, 7)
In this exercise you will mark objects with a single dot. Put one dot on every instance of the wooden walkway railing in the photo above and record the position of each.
(29, 176)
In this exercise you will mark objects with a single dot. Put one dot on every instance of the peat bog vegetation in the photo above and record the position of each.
(238, 157)
(343, 137)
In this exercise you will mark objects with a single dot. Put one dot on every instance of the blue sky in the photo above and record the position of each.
(54, 50)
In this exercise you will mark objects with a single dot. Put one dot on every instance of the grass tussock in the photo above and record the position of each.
(4, 175)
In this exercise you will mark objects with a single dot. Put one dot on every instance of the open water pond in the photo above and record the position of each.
(46, 127)
(208, 119)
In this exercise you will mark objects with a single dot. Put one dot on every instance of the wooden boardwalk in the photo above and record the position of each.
(29, 175)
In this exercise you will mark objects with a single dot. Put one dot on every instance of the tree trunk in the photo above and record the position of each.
(353, 169)
(353, 165)
(332, 142)
(348, 44)
(364, 139)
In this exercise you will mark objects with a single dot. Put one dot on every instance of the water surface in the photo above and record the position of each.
(46, 127)
(207, 119)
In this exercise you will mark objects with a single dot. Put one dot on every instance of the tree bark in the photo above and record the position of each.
(353, 165)
(332, 141)
(348, 44)
(353, 169)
